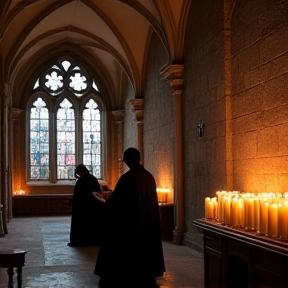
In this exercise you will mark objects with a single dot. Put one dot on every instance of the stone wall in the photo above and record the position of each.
(159, 128)
(259, 40)
(205, 157)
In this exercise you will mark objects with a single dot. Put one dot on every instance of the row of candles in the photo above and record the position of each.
(19, 192)
(162, 194)
(264, 213)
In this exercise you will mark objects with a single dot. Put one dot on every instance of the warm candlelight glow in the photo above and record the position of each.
(211, 207)
(162, 195)
(265, 213)
(20, 192)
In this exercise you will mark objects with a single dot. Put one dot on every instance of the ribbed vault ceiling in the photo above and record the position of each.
(110, 34)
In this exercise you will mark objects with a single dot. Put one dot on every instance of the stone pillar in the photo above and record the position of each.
(16, 140)
(228, 6)
(137, 108)
(174, 73)
(6, 173)
(118, 117)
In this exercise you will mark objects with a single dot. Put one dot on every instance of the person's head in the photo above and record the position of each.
(131, 157)
(81, 170)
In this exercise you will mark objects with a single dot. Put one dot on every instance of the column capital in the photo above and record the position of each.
(174, 73)
(137, 108)
(118, 116)
(7, 95)
(16, 112)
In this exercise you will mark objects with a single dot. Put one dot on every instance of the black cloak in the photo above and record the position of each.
(86, 213)
(132, 244)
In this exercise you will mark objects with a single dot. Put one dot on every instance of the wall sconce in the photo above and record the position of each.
(162, 195)
(200, 128)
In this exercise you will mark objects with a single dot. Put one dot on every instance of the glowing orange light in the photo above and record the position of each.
(162, 195)
(20, 192)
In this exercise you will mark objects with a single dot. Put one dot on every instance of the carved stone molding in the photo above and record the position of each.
(137, 108)
(15, 112)
(174, 73)
(118, 116)
(7, 95)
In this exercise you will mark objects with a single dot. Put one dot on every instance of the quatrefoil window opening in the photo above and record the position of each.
(64, 76)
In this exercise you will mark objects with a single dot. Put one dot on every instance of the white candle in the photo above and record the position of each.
(208, 208)
(263, 227)
(282, 220)
(273, 219)
(249, 213)
(256, 214)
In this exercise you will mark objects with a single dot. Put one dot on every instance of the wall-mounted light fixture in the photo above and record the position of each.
(200, 128)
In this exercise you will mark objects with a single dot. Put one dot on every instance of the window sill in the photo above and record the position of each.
(47, 183)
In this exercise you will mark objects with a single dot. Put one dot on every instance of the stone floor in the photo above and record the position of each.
(50, 263)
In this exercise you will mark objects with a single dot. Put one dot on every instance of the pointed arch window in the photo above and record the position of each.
(65, 140)
(72, 134)
(92, 137)
(39, 140)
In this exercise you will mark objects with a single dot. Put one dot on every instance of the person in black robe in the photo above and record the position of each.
(86, 215)
(131, 253)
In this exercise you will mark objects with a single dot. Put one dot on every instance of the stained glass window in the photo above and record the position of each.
(39, 140)
(92, 138)
(65, 140)
(56, 146)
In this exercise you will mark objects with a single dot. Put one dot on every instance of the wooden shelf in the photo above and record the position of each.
(166, 212)
(234, 257)
(41, 204)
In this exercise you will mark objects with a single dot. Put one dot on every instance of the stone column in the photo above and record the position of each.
(228, 6)
(137, 108)
(16, 140)
(6, 173)
(174, 73)
(118, 117)
(2, 190)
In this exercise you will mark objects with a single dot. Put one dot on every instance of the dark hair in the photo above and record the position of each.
(81, 168)
(131, 157)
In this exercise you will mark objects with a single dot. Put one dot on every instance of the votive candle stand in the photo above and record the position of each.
(264, 213)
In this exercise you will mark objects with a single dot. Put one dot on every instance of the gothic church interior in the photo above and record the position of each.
(199, 87)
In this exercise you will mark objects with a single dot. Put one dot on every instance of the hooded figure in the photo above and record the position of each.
(131, 253)
(86, 210)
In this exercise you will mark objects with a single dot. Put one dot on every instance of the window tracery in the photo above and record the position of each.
(55, 149)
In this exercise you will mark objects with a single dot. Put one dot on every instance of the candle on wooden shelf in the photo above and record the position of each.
(273, 219)
(283, 220)
(220, 195)
(215, 206)
(162, 195)
(210, 208)
(227, 209)
(235, 211)
(263, 227)
(241, 212)
(249, 212)
(256, 214)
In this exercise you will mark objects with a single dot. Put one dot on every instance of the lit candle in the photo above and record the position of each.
(220, 195)
(162, 195)
(282, 220)
(227, 209)
(208, 208)
(215, 207)
(235, 211)
(263, 227)
(249, 212)
(273, 219)
(241, 212)
(256, 214)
